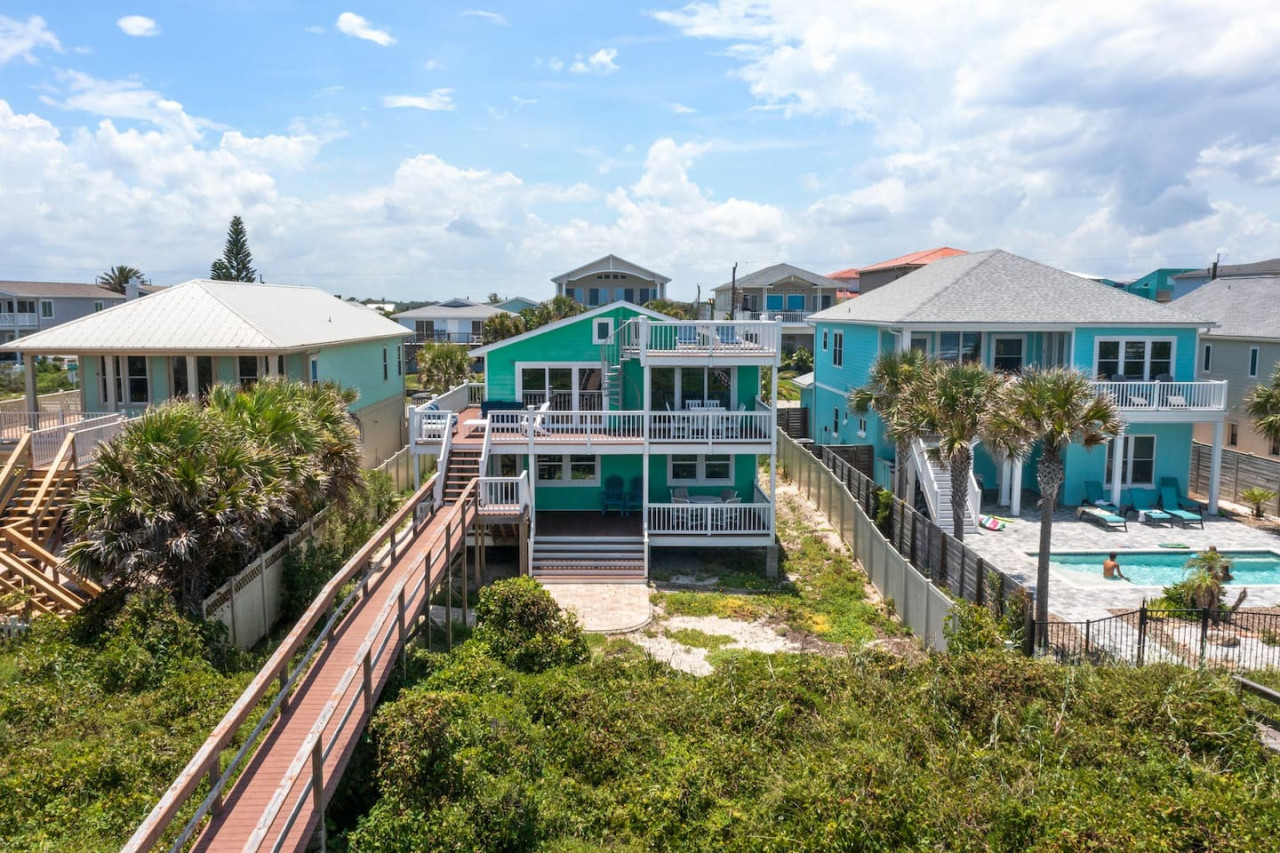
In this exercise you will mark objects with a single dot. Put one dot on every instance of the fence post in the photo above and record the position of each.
(1029, 628)
(262, 585)
(980, 582)
(915, 528)
(317, 786)
(1087, 626)
(942, 555)
(1204, 632)
(1142, 632)
(234, 637)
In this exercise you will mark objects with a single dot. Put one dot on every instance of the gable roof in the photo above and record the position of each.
(610, 263)
(851, 274)
(216, 316)
(51, 289)
(996, 287)
(776, 274)
(915, 259)
(452, 309)
(487, 348)
(1242, 307)
(1268, 267)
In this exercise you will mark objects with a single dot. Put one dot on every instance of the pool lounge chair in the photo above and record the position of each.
(1095, 496)
(1184, 502)
(1144, 505)
(1169, 499)
(1105, 517)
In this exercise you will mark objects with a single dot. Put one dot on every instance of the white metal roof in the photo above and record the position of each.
(216, 316)
(451, 311)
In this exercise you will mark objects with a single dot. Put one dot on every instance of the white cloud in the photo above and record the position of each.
(600, 62)
(126, 99)
(19, 38)
(437, 99)
(491, 17)
(681, 109)
(555, 63)
(138, 25)
(315, 30)
(349, 23)
(432, 65)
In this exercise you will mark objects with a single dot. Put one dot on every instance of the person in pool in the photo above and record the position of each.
(1111, 569)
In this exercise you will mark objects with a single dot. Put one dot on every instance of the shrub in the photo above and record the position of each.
(1258, 496)
(971, 629)
(524, 627)
(884, 512)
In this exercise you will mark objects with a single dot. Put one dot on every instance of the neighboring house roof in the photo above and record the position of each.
(453, 309)
(999, 288)
(915, 259)
(1242, 307)
(517, 303)
(216, 316)
(850, 274)
(610, 263)
(487, 348)
(777, 274)
(804, 380)
(1268, 267)
(51, 289)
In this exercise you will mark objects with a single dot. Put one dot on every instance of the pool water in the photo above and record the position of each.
(1161, 568)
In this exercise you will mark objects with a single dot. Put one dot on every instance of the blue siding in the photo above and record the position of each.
(1184, 348)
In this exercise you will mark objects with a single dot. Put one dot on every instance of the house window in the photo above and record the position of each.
(1233, 435)
(1275, 447)
(399, 360)
(386, 365)
(690, 468)
(1057, 349)
(824, 340)
(571, 293)
(139, 388)
(1138, 464)
(593, 296)
(1006, 357)
(862, 427)
(1253, 361)
(601, 329)
(837, 349)
(835, 421)
(960, 346)
(248, 369)
(97, 306)
(921, 343)
(26, 306)
(313, 369)
(425, 329)
(1133, 360)
(569, 470)
(46, 309)
(1207, 361)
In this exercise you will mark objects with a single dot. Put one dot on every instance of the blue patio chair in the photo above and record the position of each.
(1169, 500)
(686, 335)
(1184, 502)
(1145, 505)
(1095, 496)
(614, 496)
(1105, 517)
(635, 495)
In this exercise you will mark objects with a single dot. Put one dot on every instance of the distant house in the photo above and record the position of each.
(455, 321)
(27, 307)
(878, 275)
(516, 304)
(1244, 349)
(611, 279)
(184, 339)
(1184, 283)
(1156, 285)
(779, 292)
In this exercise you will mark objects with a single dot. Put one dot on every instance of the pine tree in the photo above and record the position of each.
(236, 263)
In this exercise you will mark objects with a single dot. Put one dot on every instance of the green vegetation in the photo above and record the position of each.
(1258, 496)
(1208, 572)
(51, 377)
(442, 366)
(115, 278)
(236, 263)
(521, 625)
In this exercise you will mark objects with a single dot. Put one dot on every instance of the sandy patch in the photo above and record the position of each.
(748, 636)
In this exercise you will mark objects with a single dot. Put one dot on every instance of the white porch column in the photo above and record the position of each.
(1117, 465)
(1015, 487)
(904, 339)
(29, 381)
(1215, 467)
(193, 378)
(273, 364)
(1006, 478)
(111, 383)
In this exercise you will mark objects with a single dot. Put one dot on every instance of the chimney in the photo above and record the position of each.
(131, 289)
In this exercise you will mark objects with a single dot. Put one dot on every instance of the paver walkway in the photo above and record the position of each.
(256, 786)
(605, 608)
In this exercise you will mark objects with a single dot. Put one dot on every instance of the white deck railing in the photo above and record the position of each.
(718, 519)
(743, 339)
(45, 443)
(504, 494)
(22, 321)
(791, 318)
(1208, 396)
(587, 427)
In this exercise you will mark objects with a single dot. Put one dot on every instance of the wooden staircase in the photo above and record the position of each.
(33, 502)
(589, 559)
(463, 467)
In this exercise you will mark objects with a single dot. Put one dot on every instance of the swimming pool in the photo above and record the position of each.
(1161, 568)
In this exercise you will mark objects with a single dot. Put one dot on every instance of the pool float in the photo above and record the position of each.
(990, 522)
(1182, 546)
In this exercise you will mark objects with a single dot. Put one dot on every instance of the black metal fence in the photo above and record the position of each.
(1246, 640)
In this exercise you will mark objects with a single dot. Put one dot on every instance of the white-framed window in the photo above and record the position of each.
(960, 346)
(98, 305)
(862, 427)
(693, 468)
(837, 349)
(1007, 353)
(835, 420)
(1138, 464)
(46, 309)
(1206, 360)
(921, 343)
(26, 306)
(424, 329)
(674, 387)
(601, 329)
(313, 369)
(132, 374)
(386, 365)
(824, 339)
(1233, 435)
(570, 470)
(247, 370)
(1133, 359)
(1253, 361)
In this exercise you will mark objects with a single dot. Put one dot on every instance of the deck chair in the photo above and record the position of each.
(1169, 500)
(1096, 497)
(729, 496)
(1184, 502)
(679, 495)
(1145, 505)
(635, 495)
(728, 336)
(614, 496)
(686, 336)
(1105, 517)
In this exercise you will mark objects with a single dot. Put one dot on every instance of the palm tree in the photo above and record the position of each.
(118, 276)
(555, 308)
(499, 327)
(675, 310)
(1262, 403)
(443, 366)
(1055, 408)
(888, 385)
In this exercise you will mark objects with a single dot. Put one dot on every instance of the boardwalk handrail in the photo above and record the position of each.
(405, 605)
(208, 759)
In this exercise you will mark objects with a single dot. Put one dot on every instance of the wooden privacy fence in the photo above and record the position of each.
(922, 607)
(1240, 472)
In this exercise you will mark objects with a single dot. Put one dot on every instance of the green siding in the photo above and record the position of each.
(359, 366)
(550, 496)
(744, 477)
(161, 380)
(91, 379)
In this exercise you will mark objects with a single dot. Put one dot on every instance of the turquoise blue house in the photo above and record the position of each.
(1009, 312)
(183, 339)
(631, 430)
(1156, 285)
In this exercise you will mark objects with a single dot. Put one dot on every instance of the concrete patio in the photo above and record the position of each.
(1077, 596)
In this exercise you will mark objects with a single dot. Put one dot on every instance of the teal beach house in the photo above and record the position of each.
(630, 431)
(183, 339)
(1008, 313)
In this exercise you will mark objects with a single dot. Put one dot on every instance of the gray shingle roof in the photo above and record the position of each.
(1242, 307)
(778, 272)
(996, 287)
(1268, 267)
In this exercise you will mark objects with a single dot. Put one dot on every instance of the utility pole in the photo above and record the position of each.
(733, 292)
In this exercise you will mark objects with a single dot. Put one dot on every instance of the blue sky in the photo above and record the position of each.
(436, 149)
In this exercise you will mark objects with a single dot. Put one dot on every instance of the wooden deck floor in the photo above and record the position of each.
(249, 797)
(588, 523)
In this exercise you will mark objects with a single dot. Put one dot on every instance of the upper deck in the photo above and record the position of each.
(728, 342)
